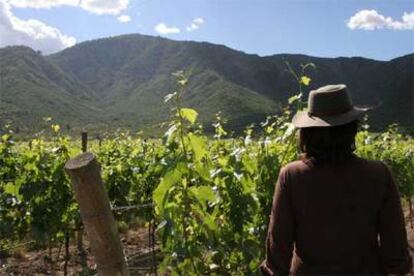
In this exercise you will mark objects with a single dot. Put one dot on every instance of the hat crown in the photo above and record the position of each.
(329, 100)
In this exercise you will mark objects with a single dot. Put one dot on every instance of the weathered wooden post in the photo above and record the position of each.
(96, 215)
(79, 226)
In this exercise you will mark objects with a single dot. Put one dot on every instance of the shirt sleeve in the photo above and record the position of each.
(280, 236)
(394, 256)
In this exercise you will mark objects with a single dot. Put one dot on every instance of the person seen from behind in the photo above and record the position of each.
(333, 212)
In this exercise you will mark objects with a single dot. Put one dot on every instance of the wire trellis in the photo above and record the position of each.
(142, 260)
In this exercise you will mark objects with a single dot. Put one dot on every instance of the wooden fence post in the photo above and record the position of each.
(97, 215)
(79, 226)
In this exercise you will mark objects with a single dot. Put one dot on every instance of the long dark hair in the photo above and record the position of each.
(328, 145)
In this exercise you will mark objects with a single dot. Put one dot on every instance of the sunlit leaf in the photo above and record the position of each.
(169, 96)
(198, 146)
(204, 193)
(289, 131)
(295, 98)
(203, 171)
(305, 80)
(161, 225)
(55, 128)
(183, 82)
(170, 131)
(170, 178)
(189, 114)
(10, 189)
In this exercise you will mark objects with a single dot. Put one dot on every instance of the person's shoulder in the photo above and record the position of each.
(374, 167)
(297, 166)
(372, 164)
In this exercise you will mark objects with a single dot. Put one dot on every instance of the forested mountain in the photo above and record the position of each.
(121, 82)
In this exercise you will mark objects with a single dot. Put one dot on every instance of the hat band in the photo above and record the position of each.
(330, 112)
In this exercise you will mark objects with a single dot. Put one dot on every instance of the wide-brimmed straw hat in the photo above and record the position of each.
(329, 105)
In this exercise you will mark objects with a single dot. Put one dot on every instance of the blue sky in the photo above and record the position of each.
(374, 29)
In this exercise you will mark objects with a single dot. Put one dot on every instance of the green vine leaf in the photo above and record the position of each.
(204, 193)
(170, 178)
(305, 80)
(198, 146)
(189, 114)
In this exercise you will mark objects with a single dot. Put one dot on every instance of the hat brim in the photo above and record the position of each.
(302, 119)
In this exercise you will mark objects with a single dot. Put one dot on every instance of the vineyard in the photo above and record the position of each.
(212, 193)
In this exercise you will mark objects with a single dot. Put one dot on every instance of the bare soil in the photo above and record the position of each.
(135, 244)
(23, 262)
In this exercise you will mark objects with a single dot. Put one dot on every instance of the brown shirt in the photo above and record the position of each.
(344, 219)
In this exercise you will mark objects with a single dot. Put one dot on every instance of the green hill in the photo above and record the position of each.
(33, 88)
(121, 82)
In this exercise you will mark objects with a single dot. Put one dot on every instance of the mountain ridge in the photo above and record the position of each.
(121, 82)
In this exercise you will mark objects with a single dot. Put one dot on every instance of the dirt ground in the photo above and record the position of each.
(135, 244)
(22, 262)
(410, 236)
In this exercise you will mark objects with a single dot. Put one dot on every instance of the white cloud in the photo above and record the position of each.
(198, 20)
(195, 24)
(31, 32)
(114, 7)
(104, 6)
(371, 20)
(124, 18)
(42, 4)
(161, 28)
